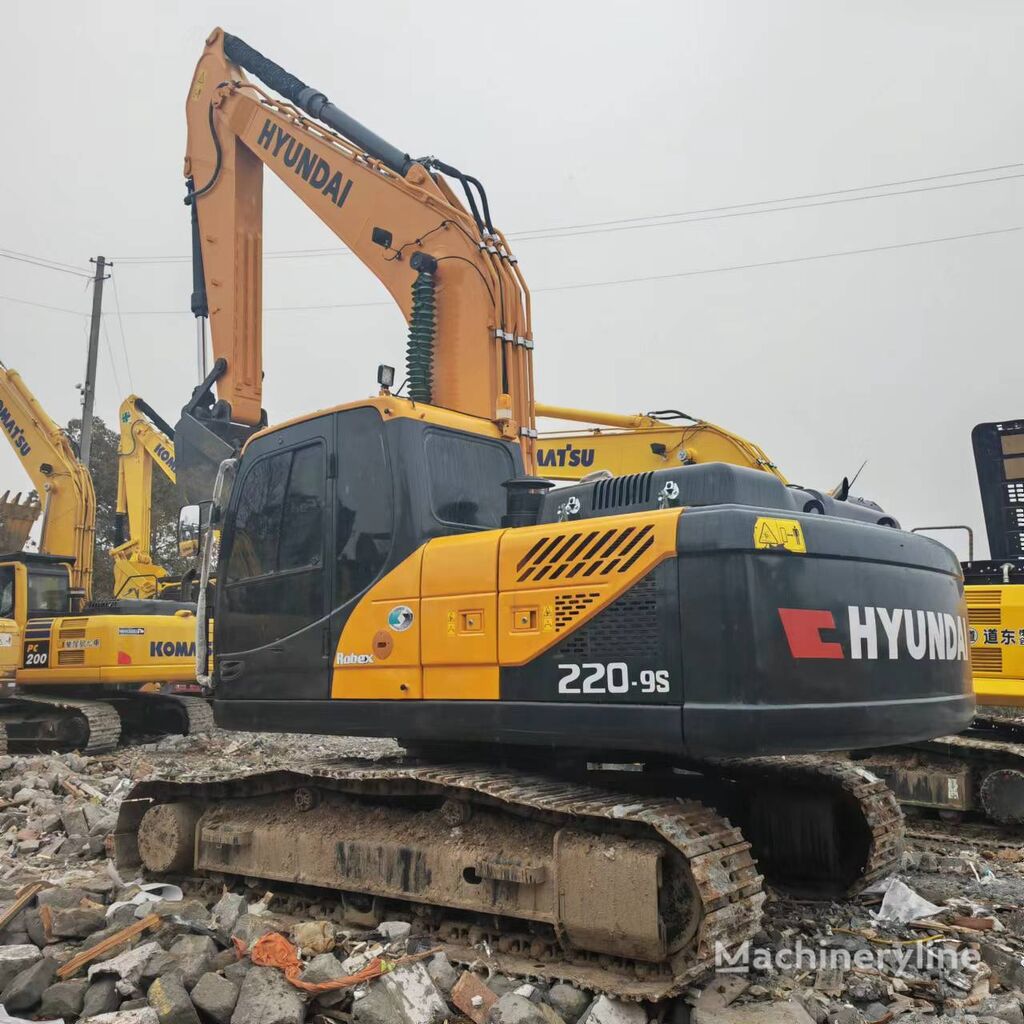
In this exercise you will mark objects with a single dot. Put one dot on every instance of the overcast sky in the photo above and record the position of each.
(576, 113)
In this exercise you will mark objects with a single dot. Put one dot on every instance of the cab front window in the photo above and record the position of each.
(47, 593)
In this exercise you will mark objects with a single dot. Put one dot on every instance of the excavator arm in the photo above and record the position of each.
(62, 482)
(145, 443)
(636, 444)
(447, 267)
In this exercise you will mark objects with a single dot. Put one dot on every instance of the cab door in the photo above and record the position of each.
(10, 635)
(272, 639)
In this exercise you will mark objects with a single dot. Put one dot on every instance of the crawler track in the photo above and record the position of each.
(150, 716)
(31, 722)
(45, 722)
(819, 828)
(200, 715)
(722, 898)
(979, 771)
(863, 807)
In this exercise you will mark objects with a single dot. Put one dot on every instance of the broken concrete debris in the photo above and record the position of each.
(80, 943)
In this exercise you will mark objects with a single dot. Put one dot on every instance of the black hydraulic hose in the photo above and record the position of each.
(670, 414)
(464, 180)
(144, 407)
(483, 201)
(193, 193)
(314, 103)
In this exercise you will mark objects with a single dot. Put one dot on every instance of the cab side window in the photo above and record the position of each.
(364, 512)
(465, 476)
(258, 519)
(273, 580)
(7, 593)
(279, 515)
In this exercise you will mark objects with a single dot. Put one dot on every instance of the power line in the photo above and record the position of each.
(650, 277)
(793, 199)
(779, 263)
(120, 324)
(681, 216)
(110, 356)
(43, 266)
(40, 259)
(917, 243)
(664, 222)
(42, 305)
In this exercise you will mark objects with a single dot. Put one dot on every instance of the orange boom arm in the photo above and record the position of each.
(448, 269)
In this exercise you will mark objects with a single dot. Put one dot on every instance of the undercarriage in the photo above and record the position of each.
(979, 772)
(618, 881)
(34, 721)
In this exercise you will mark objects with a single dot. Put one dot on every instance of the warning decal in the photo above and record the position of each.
(784, 534)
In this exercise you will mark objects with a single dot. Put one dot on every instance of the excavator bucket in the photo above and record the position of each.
(16, 520)
(198, 453)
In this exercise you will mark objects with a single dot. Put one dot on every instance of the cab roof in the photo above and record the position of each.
(35, 558)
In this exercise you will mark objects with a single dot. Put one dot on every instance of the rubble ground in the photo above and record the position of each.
(942, 944)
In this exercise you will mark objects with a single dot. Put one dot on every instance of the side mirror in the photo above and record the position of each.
(193, 521)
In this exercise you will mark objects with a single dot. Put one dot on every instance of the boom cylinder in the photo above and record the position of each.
(315, 103)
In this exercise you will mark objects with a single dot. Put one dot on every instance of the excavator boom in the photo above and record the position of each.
(62, 482)
(448, 269)
(635, 444)
(146, 441)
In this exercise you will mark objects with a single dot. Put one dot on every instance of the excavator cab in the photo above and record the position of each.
(34, 589)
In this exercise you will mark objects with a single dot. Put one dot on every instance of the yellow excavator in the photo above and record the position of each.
(79, 666)
(63, 484)
(981, 770)
(996, 585)
(146, 442)
(604, 690)
(624, 444)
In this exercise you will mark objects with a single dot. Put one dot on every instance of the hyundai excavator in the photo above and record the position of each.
(597, 686)
(79, 666)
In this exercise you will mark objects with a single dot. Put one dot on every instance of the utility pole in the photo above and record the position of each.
(89, 388)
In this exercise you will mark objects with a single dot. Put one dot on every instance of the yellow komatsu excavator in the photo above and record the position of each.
(392, 566)
(78, 666)
(623, 444)
(63, 484)
(146, 441)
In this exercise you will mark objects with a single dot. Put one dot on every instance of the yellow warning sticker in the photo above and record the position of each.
(451, 622)
(779, 533)
(548, 619)
(199, 85)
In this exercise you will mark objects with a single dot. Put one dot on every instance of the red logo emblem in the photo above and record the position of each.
(803, 628)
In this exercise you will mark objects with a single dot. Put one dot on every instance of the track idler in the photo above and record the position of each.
(1002, 796)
